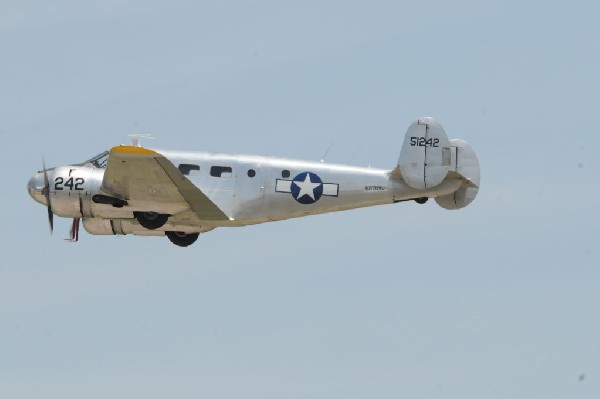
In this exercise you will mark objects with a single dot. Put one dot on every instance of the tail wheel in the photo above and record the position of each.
(421, 200)
(151, 220)
(182, 239)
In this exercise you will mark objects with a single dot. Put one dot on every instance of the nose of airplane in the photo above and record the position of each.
(35, 188)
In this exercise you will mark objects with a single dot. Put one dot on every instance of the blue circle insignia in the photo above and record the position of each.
(307, 188)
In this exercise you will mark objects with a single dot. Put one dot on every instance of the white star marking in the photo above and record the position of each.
(307, 187)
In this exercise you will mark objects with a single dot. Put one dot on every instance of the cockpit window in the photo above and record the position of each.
(99, 161)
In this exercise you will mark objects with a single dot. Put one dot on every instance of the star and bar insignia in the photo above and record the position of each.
(307, 188)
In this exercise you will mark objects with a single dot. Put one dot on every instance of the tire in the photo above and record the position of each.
(182, 239)
(422, 200)
(151, 220)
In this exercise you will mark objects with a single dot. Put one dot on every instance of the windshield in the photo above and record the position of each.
(99, 161)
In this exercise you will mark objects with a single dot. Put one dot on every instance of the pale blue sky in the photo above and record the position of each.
(499, 300)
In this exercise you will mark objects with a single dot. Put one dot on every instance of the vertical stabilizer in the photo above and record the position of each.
(425, 157)
(466, 165)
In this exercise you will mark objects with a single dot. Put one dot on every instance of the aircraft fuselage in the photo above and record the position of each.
(134, 190)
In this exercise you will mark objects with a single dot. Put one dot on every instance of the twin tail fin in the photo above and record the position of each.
(428, 157)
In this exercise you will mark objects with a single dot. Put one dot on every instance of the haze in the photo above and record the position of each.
(499, 300)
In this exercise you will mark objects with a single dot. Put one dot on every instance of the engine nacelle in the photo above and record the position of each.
(71, 189)
(98, 226)
(102, 227)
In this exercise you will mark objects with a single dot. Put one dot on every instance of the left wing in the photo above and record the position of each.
(139, 175)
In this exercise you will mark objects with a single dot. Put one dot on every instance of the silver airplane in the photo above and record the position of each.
(134, 190)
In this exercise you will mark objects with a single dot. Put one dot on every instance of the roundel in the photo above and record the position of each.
(307, 188)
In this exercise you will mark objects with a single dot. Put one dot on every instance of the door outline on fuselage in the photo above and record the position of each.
(251, 179)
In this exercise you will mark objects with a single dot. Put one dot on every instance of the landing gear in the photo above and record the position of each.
(421, 201)
(151, 220)
(182, 239)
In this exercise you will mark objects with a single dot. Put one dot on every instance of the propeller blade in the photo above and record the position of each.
(46, 191)
(50, 219)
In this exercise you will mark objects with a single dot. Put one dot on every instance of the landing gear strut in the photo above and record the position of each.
(182, 239)
(151, 220)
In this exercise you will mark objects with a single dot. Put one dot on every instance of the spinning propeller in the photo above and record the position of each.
(74, 234)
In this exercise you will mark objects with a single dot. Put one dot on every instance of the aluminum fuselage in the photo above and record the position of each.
(257, 190)
(260, 198)
(179, 194)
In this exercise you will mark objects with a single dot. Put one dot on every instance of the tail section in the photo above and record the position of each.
(425, 157)
(428, 157)
(466, 165)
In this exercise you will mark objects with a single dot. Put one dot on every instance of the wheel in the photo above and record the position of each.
(182, 239)
(421, 200)
(151, 220)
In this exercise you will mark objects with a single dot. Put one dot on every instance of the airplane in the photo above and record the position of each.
(179, 194)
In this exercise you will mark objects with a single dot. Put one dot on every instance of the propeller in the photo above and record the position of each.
(46, 192)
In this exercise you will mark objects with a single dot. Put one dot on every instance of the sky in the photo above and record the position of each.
(498, 300)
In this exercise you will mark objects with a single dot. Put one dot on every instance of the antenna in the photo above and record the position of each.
(327, 152)
(360, 147)
(137, 138)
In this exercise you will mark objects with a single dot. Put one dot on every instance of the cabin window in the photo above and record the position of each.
(221, 171)
(285, 173)
(187, 168)
(251, 173)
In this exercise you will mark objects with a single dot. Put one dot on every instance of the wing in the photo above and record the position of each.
(145, 178)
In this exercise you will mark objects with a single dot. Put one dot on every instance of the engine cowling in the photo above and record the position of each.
(71, 189)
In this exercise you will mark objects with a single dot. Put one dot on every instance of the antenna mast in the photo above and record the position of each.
(137, 138)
